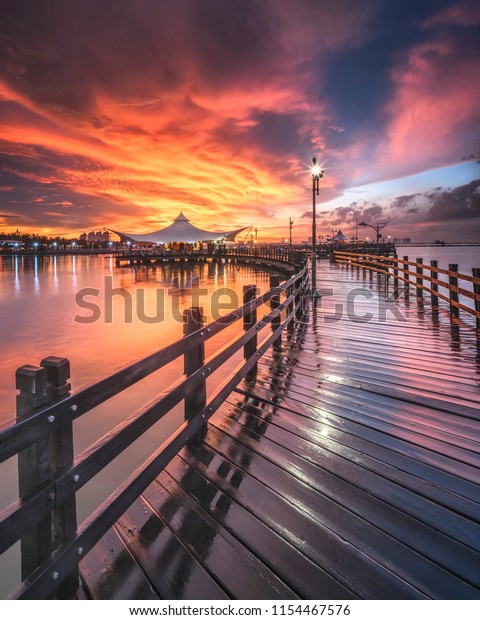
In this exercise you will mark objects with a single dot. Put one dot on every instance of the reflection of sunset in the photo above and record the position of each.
(139, 310)
(125, 116)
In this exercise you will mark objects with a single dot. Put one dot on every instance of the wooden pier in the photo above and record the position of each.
(348, 468)
(342, 461)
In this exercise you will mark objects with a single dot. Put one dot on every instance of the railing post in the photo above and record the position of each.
(64, 517)
(274, 303)
(249, 320)
(298, 288)
(453, 281)
(289, 292)
(476, 291)
(406, 275)
(395, 274)
(419, 279)
(196, 398)
(33, 468)
(434, 285)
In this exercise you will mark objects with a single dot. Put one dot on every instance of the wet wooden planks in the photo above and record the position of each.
(349, 468)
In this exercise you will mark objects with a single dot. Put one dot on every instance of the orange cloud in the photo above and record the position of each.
(132, 114)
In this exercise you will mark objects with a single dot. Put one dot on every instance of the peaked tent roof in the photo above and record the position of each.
(339, 236)
(181, 230)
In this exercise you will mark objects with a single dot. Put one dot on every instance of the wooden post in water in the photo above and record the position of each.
(419, 279)
(476, 290)
(434, 285)
(453, 281)
(406, 275)
(196, 398)
(274, 303)
(64, 517)
(249, 320)
(33, 468)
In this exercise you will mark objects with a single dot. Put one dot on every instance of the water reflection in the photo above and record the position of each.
(16, 272)
(455, 337)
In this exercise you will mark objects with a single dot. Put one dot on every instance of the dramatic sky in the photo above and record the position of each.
(121, 113)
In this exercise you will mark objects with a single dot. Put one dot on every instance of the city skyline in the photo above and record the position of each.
(123, 114)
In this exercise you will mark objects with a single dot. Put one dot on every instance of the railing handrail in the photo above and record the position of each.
(384, 265)
(15, 437)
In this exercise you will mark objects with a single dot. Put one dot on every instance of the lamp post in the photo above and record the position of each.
(380, 226)
(290, 225)
(317, 174)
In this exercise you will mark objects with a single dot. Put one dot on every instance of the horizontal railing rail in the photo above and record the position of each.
(280, 254)
(399, 270)
(50, 474)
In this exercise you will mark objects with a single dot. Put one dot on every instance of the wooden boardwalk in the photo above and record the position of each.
(348, 469)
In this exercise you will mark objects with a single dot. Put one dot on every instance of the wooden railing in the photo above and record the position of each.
(50, 475)
(276, 254)
(412, 274)
(281, 254)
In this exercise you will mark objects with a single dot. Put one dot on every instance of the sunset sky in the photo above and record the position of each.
(122, 113)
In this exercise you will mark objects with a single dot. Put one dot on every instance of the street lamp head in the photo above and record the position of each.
(316, 171)
(362, 224)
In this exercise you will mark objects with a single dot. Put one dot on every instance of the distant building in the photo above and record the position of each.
(400, 240)
(95, 237)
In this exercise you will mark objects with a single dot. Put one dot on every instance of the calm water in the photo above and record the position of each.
(466, 257)
(37, 312)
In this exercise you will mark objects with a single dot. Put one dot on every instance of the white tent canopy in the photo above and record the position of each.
(180, 231)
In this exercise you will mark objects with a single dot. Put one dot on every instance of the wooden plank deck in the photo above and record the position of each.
(349, 469)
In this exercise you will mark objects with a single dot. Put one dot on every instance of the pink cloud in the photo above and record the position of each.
(435, 104)
(461, 14)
